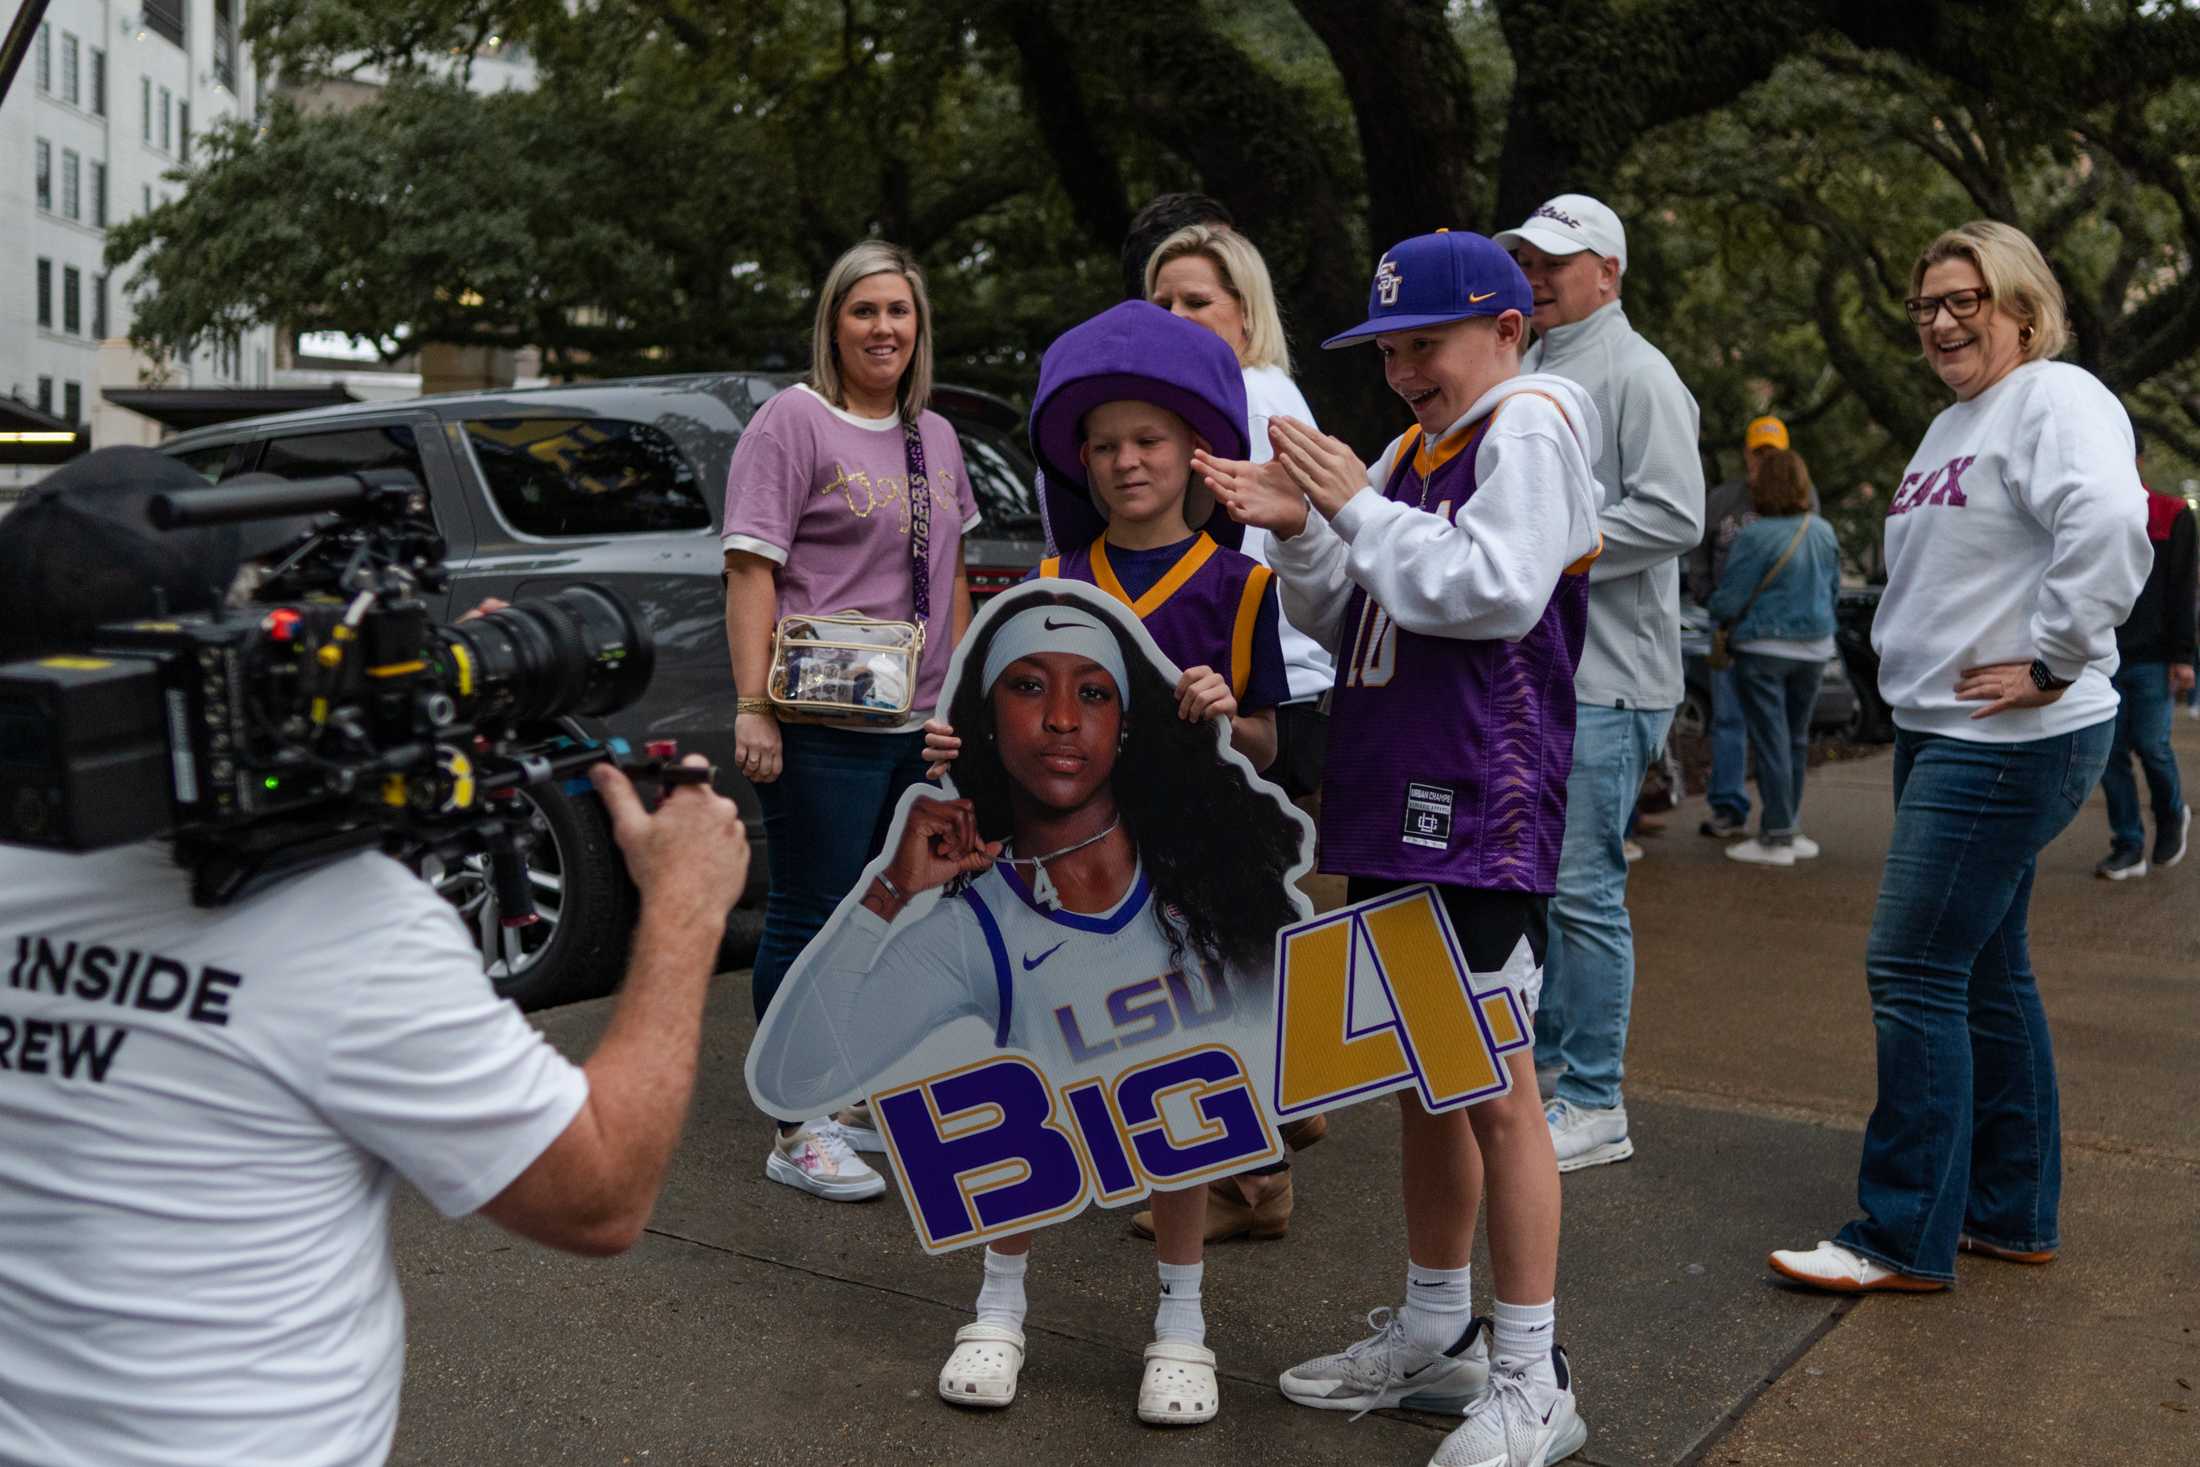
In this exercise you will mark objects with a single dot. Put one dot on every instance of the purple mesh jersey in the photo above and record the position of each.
(1214, 607)
(1448, 758)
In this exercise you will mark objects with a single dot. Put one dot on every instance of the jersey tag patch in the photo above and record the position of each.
(1428, 816)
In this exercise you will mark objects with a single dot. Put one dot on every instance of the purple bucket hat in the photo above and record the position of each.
(1137, 352)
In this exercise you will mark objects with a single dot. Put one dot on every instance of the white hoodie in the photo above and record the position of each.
(2019, 532)
(1486, 573)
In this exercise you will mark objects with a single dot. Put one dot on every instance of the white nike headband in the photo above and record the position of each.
(1057, 629)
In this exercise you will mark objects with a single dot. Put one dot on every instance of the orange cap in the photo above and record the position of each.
(1765, 432)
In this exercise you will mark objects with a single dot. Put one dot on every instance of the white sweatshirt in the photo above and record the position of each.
(1270, 393)
(1488, 571)
(2018, 532)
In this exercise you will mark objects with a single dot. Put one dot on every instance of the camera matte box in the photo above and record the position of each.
(83, 752)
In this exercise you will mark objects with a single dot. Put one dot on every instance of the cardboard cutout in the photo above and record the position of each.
(1024, 1059)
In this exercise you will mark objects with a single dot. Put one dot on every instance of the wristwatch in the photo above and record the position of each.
(2045, 680)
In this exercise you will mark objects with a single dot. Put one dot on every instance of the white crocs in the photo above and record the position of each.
(982, 1371)
(1179, 1387)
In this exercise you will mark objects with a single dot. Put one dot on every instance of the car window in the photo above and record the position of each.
(586, 476)
(209, 462)
(1003, 482)
(345, 451)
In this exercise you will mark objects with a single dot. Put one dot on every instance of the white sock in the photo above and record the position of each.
(1179, 1318)
(1524, 1334)
(1001, 1298)
(1439, 1305)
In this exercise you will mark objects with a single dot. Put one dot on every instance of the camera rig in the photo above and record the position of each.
(331, 714)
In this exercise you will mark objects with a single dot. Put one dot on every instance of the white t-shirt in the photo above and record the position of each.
(204, 1113)
(1270, 393)
(2018, 532)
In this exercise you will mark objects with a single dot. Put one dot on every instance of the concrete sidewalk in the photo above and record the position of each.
(757, 1325)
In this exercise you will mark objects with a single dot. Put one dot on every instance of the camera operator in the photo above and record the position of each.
(205, 1111)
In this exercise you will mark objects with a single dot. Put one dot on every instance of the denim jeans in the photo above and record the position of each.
(1777, 695)
(2142, 728)
(1589, 971)
(825, 817)
(1729, 794)
(1965, 1136)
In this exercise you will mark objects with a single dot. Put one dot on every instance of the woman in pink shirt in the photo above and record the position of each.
(819, 520)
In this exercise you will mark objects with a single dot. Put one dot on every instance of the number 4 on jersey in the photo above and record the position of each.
(1377, 997)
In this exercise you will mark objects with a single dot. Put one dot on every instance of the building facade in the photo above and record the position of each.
(106, 106)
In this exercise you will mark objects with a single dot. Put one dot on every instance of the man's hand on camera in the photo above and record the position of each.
(488, 604)
(694, 850)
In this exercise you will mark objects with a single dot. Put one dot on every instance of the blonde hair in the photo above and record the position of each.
(861, 262)
(2016, 275)
(1245, 275)
(1782, 485)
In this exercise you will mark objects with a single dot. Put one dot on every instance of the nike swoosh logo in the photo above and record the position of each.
(1031, 962)
(1412, 1373)
(1057, 626)
(1475, 300)
(1547, 1410)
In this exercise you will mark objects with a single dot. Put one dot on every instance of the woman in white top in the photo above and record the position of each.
(1211, 274)
(2016, 544)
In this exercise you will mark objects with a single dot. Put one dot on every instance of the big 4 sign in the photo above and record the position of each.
(1371, 999)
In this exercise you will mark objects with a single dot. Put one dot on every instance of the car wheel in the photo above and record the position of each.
(1869, 723)
(582, 897)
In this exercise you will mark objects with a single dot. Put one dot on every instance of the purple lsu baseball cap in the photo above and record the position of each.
(1138, 352)
(1432, 279)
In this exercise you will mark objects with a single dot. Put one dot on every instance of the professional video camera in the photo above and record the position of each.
(329, 716)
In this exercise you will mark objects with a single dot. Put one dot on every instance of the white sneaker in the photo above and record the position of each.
(817, 1158)
(861, 1129)
(1838, 1270)
(1586, 1136)
(1631, 850)
(1520, 1422)
(1386, 1369)
(1757, 853)
(1805, 848)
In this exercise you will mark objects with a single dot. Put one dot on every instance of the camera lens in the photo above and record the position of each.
(580, 650)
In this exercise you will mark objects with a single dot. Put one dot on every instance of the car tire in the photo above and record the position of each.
(586, 905)
(1869, 723)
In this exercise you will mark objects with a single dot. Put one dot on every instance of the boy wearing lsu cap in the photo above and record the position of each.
(1450, 577)
(1573, 251)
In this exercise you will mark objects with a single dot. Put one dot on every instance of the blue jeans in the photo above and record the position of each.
(1777, 695)
(2142, 728)
(825, 817)
(1729, 795)
(1589, 971)
(1965, 1137)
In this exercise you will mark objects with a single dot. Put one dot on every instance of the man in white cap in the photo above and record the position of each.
(1574, 252)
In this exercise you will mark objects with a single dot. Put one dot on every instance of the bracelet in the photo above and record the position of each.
(753, 705)
(899, 897)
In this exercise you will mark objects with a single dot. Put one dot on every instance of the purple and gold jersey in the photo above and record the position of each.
(1203, 605)
(1449, 757)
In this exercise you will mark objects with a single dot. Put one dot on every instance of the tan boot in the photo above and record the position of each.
(1229, 1215)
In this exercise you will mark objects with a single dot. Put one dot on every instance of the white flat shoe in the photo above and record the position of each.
(1179, 1388)
(983, 1369)
(1838, 1270)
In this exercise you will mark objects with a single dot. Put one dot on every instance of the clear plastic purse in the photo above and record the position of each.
(844, 669)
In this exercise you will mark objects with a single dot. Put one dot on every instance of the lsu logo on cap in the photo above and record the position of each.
(1387, 281)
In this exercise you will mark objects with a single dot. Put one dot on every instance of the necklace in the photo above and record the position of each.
(1042, 885)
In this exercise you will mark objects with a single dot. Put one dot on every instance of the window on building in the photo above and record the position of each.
(69, 93)
(45, 395)
(72, 402)
(45, 292)
(163, 18)
(145, 108)
(44, 154)
(98, 61)
(72, 202)
(167, 120)
(183, 131)
(225, 43)
(148, 200)
(72, 300)
(45, 56)
(99, 195)
(99, 307)
(586, 476)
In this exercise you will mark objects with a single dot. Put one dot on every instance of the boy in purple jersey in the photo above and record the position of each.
(1451, 579)
(1124, 401)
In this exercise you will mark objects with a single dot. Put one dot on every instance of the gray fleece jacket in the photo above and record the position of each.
(1651, 479)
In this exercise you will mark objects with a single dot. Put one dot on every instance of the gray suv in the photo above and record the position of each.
(622, 483)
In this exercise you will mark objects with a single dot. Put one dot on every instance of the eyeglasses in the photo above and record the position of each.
(1961, 304)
